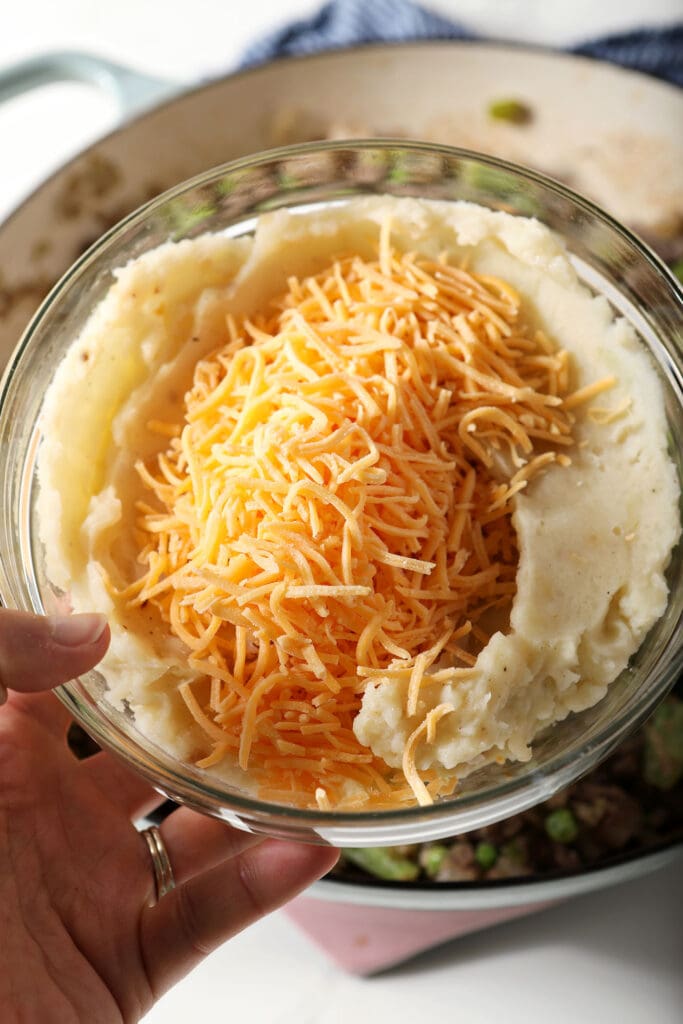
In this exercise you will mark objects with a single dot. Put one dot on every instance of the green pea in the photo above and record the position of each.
(486, 855)
(562, 826)
(513, 111)
(432, 857)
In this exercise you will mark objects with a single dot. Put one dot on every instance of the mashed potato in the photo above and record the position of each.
(594, 537)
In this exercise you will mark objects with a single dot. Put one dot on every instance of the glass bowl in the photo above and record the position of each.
(607, 257)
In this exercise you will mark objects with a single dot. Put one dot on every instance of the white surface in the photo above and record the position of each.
(613, 958)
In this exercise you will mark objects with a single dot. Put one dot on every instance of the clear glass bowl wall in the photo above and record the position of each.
(607, 257)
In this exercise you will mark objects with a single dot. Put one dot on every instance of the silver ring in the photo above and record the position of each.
(164, 882)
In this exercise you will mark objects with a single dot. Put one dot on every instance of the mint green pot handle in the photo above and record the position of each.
(131, 90)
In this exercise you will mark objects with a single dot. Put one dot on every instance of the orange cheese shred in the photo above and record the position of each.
(335, 509)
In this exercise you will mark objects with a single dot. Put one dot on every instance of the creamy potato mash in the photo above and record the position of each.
(594, 537)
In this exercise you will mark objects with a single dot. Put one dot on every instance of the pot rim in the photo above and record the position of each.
(186, 92)
(449, 896)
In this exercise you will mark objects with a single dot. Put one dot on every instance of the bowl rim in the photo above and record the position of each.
(563, 769)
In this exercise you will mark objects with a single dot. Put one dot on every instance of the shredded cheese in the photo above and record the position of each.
(336, 509)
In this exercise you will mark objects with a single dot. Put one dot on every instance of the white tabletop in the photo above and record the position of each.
(616, 956)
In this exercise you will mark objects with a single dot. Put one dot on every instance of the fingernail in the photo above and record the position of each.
(76, 630)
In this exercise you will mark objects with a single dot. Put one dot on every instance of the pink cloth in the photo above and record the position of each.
(363, 940)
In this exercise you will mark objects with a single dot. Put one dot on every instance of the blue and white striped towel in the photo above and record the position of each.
(342, 23)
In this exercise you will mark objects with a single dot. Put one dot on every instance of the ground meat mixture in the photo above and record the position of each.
(631, 802)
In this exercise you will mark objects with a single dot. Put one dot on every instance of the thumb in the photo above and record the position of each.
(39, 652)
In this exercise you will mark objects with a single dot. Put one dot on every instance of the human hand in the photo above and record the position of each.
(80, 940)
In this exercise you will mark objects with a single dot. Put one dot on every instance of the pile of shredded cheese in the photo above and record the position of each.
(336, 508)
